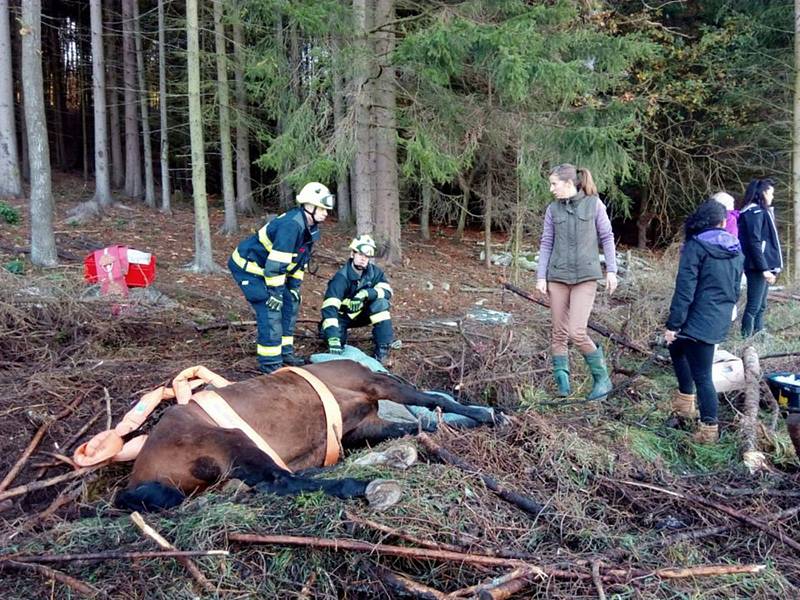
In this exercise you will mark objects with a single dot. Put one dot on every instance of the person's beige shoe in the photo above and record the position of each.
(683, 405)
(706, 434)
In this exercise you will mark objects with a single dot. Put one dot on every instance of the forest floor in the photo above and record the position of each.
(625, 497)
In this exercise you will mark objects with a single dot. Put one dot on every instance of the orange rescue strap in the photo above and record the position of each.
(333, 414)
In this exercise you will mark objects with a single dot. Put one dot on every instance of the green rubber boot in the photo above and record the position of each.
(597, 366)
(561, 375)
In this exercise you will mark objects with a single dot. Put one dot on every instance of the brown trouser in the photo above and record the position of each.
(570, 306)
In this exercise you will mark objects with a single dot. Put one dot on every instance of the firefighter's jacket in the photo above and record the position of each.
(279, 251)
(343, 287)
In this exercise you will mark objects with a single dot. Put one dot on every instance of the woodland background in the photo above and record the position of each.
(436, 111)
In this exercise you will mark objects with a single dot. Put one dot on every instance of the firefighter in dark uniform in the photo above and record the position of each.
(358, 295)
(269, 267)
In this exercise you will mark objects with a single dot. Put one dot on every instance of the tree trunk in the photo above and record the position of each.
(643, 221)
(339, 125)
(425, 215)
(84, 126)
(231, 225)
(203, 258)
(244, 188)
(285, 198)
(115, 135)
(56, 79)
(796, 146)
(166, 192)
(149, 183)
(462, 212)
(133, 153)
(387, 192)
(102, 193)
(362, 186)
(487, 218)
(43, 241)
(19, 107)
(10, 181)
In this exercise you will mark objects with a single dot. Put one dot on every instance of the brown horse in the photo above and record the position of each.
(186, 451)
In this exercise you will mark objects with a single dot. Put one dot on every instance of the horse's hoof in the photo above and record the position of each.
(383, 493)
(401, 456)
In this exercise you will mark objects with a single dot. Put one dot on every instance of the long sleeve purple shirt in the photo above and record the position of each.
(604, 234)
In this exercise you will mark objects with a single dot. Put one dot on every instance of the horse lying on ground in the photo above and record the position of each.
(186, 452)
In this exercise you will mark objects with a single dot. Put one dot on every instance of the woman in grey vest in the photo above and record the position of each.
(575, 225)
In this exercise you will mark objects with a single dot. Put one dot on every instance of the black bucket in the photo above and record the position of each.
(787, 394)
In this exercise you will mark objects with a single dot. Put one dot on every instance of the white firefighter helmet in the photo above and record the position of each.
(364, 244)
(316, 194)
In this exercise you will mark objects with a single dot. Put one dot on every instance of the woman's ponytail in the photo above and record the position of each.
(586, 182)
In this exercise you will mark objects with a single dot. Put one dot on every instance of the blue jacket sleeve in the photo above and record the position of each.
(334, 295)
(685, 286)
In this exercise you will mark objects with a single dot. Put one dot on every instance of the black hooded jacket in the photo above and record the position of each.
(707, 286)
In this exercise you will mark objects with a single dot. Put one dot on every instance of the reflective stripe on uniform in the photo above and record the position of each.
(335, 302)
(331, 322)
(298, 274)
(246, 265)
(262, 237)
(380, 316)
(380, 287)
(268, 350)
(275, 280)
(287, 340)
(281, 257)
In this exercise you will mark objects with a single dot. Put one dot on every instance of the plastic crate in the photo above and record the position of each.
(141, 268)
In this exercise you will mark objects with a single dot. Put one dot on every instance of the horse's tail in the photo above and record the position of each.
(149, 496)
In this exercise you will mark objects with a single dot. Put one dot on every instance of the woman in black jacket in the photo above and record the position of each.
(706, 291)
(762, 251)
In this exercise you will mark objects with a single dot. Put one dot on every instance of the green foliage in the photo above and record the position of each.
(16, 266)
(9, 214)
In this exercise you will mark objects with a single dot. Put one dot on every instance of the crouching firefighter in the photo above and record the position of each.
(269, 267)
(358, 295)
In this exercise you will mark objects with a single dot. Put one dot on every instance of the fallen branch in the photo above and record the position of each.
(752, 521)
(35, 442)
(92, 556)
(79, 586)
(387, 549)
(708, 571)
(748, 425)
(696, 534)
(598, 581)
(494, 583)
(593, 325)
(523, 502)
(400, 534)
(195, 572)
(11, 475)
(403, 584)
(46, 483)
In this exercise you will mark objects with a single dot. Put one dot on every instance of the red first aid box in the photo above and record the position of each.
(141, 268)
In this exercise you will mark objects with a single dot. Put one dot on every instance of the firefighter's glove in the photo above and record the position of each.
(275, 303)
(295, 295)
(335, 345)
